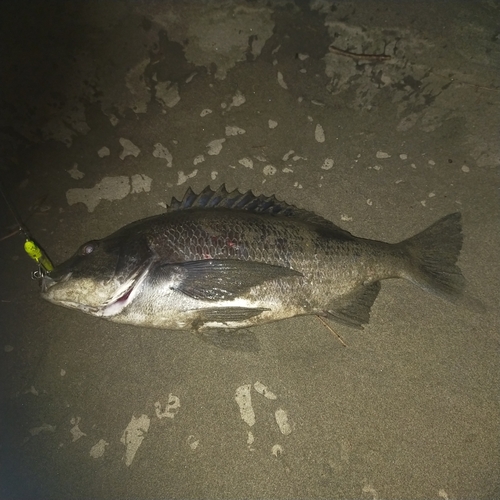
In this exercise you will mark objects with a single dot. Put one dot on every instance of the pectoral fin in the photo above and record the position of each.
(224, 279)
(355, 309)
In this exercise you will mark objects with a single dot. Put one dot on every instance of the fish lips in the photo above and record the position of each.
(49, 281)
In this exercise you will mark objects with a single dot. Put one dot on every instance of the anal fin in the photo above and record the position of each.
(354, 310)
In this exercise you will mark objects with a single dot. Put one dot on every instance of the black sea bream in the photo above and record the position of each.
(232, 260)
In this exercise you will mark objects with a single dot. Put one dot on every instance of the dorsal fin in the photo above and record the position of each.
(235, 200)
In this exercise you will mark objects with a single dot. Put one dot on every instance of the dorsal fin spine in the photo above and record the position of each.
(235, 200)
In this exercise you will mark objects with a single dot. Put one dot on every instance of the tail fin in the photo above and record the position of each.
(433, 256)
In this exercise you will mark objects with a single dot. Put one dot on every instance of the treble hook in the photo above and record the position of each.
(39, 273)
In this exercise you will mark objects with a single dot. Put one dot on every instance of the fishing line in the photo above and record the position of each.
(30, 247)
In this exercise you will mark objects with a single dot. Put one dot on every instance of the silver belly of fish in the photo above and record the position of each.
(172, 309)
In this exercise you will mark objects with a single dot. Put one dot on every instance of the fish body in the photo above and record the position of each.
(232, 260)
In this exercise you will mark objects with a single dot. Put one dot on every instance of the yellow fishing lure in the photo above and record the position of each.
(37, 255)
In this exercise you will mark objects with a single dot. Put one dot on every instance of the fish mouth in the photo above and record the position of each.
(48, 282)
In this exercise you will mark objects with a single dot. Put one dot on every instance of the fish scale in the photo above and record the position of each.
(225, 234)
(222, 259)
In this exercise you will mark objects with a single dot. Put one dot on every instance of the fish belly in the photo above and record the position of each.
(173, 310)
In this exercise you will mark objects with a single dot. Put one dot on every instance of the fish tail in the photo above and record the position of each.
(433, 255)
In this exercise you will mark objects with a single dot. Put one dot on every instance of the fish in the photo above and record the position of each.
(222, 260)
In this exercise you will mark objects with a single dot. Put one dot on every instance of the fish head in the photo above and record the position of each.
(101, 277)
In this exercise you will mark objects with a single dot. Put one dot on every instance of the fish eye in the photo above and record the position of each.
(88, 248)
